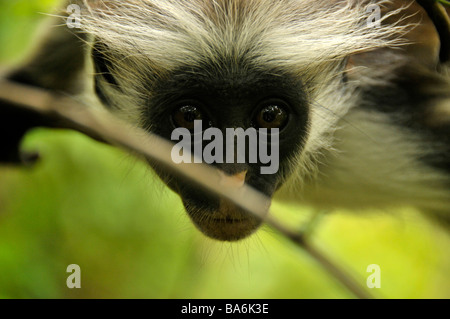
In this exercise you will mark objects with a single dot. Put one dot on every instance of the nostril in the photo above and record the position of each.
(236, 180)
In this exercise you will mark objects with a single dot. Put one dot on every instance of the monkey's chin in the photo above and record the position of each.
(227, 223)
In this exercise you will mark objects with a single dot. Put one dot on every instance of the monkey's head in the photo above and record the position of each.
(230, 98)
(261, 64)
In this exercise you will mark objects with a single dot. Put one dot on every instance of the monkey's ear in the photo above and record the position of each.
(421, 38)
(423, 48)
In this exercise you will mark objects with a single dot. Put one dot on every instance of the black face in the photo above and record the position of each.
(241, 98)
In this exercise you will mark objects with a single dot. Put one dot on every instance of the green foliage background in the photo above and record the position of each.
(92, 205)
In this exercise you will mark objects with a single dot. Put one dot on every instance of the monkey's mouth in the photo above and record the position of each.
(226, 223)
(228, 220)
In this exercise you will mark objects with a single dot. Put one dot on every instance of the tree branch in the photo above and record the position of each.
(24, 107)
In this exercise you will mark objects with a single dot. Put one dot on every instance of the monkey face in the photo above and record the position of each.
(228, 95)
(201, 101)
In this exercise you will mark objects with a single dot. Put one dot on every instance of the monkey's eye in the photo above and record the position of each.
(186, 115)
(271, 116)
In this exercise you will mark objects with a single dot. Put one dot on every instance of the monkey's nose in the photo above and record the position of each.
(236, 180)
